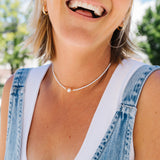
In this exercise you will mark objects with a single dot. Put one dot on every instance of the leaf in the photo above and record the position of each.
(150, 27)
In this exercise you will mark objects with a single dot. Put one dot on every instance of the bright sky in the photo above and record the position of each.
(139, 8)
(145, 0)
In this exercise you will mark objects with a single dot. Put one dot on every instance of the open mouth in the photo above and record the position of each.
(86, 9)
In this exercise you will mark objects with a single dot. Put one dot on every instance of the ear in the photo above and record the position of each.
(122, 23)
(44, 5)
(42, 2)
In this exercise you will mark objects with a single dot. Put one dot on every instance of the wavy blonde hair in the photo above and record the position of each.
(42, 43)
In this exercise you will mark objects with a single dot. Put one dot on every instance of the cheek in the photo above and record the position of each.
(121, 6)
(53, 11)
(119, 11)
(53, 8)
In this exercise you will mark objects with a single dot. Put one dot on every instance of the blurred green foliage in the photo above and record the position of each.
(12, 33)
(150, 29)
(1, 88)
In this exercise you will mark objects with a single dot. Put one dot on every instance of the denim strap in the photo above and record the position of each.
(115, 145)
(134, 87)
(15, 118)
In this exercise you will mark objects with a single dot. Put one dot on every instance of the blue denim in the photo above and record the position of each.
(116, 143)
(15, 116)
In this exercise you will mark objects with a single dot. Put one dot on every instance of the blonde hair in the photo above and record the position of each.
(42, 43)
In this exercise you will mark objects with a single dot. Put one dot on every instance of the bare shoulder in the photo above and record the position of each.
(4, 115)
(6, 91)
(8, 84)
(147, 124)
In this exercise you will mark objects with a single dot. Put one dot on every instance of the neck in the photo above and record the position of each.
(77, 66)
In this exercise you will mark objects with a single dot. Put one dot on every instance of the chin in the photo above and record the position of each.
(79, 37)
(82, 42)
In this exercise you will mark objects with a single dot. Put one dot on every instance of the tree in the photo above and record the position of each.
(149, 29)
(12, 33)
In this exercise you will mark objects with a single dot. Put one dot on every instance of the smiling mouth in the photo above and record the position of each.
(86, 9)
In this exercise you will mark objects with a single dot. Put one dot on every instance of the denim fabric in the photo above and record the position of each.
(15, 116)
(116, 143)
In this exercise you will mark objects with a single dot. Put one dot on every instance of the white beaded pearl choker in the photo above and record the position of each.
(68, 89)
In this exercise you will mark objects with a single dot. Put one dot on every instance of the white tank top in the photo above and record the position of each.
(104, 113)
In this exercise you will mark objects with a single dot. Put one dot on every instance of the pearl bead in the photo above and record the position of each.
(69, 90)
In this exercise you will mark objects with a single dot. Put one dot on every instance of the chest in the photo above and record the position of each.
(58, 129)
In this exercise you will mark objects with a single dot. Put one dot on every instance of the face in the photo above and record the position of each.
(74, 23)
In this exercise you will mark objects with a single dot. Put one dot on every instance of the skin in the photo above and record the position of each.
(58, 129)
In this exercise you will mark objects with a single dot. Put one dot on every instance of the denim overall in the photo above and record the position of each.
(116, 143)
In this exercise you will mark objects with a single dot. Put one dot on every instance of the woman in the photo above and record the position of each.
(84, 106)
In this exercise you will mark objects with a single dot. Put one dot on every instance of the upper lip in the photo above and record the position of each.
(93, 2)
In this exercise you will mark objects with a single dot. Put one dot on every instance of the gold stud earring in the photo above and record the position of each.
(44, 11)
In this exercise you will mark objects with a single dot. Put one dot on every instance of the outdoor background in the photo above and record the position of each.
(145, 31)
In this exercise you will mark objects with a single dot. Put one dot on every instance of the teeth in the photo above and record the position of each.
(96, 9)
(73, 5)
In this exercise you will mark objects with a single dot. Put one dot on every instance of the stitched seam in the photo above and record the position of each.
(126, 150)
(145, 79)
(101, 147)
